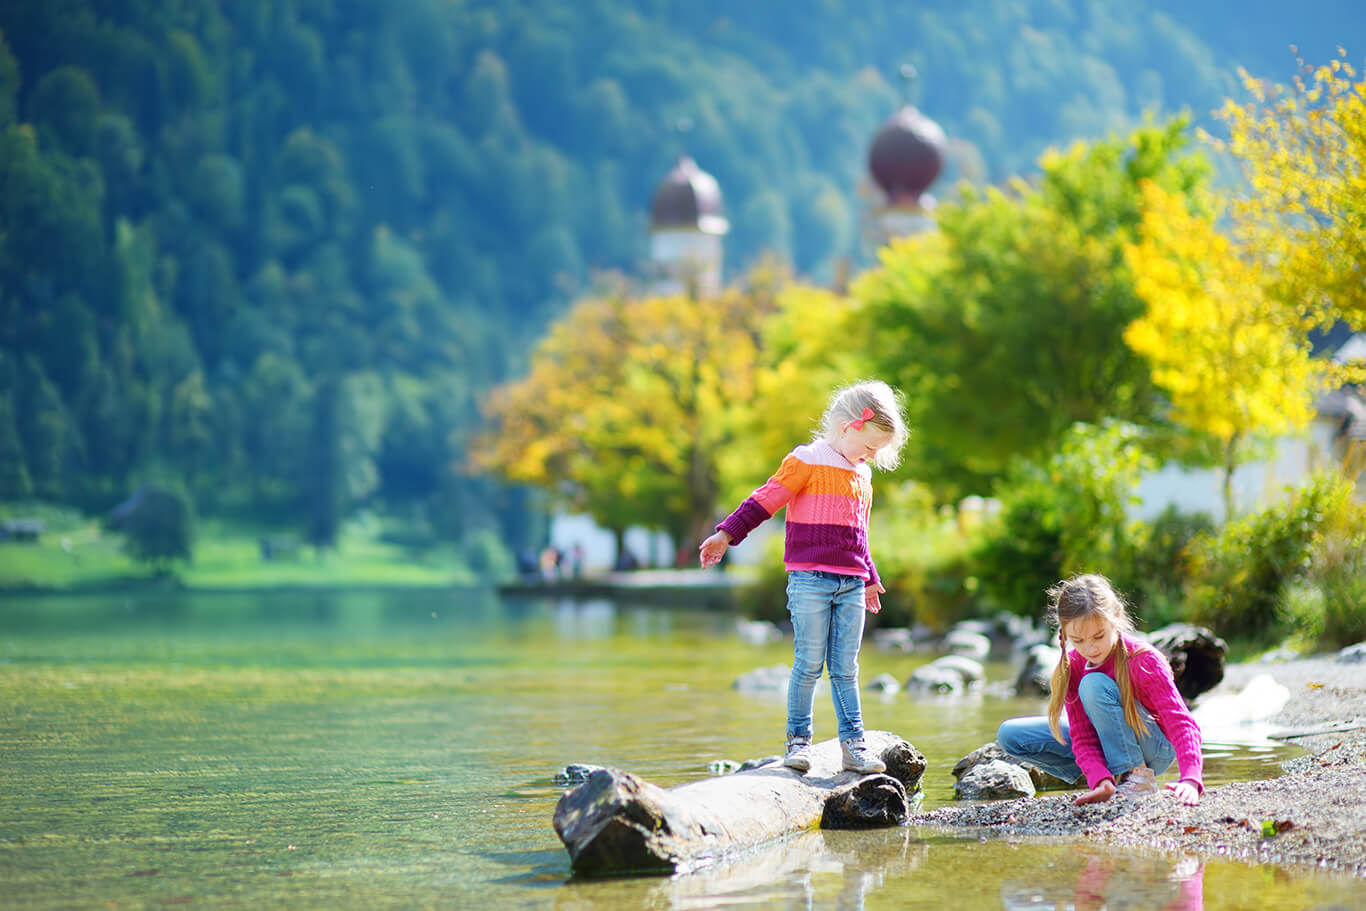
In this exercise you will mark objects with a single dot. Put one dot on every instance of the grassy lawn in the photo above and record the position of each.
(75, 552)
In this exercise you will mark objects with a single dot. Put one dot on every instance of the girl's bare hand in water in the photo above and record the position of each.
(1099, 794)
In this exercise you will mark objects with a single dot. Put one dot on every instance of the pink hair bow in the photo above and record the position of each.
(857, 423)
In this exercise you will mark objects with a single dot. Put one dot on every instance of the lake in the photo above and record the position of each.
(396, 750)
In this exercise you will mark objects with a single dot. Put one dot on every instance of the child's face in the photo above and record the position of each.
(862, 444)
(1094, 637)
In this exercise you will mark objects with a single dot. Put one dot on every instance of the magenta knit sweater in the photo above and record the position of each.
(1154, 688)
(828, 501)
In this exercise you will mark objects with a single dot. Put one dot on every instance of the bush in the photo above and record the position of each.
(1338, 571)
(1162, 565)
(1067, 516)
(1240, 578)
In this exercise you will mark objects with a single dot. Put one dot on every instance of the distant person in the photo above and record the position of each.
(827, 488)
(1126, 722)
(576, 560)
(626, 561)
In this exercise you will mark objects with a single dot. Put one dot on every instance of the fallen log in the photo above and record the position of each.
(617, 823)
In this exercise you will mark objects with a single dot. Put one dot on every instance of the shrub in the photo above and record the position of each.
(1066, 516)
(1162, 564)
(1239, 577)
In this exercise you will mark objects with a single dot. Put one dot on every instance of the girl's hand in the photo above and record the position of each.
(1185, 792)
(713, 548)
(870, 598)
(1099, 794)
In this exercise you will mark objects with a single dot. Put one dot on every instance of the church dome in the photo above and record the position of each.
(690, 199)
(906, 156)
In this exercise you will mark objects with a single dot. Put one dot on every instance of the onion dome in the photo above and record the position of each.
(688, 199)
(906, 156)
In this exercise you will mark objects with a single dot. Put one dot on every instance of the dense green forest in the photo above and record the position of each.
(274, 253)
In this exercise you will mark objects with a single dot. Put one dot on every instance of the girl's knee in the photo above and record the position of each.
(1098, 689)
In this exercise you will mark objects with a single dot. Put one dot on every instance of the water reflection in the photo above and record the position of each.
(815, 869)
(1112, 882)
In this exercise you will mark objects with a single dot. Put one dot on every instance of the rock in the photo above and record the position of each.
(937, 681)
(971, 644)
(772, 679)
(994, 779)
(1195, 654)
(970, 669)
(758, 763)
(574, 774)
(1037, 671)
(883, 683)
(1352, 654)
(758, 632)
(992, 752)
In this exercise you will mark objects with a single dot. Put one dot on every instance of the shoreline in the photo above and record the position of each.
(1309, 815)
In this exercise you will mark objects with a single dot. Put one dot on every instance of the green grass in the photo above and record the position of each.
(76, 553)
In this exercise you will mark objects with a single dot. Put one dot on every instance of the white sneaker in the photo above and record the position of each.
(798, 753)
(857, 757)
(1141, 782)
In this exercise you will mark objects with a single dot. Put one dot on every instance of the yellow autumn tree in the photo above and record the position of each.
(627, 404)
(811, 343)
(1234, 362)
(1302, 212)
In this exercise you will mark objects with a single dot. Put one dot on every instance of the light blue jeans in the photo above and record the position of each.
(827, 628)
(1031, 740)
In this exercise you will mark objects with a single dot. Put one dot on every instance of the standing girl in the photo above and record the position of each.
(1125, 720)
(827, 488)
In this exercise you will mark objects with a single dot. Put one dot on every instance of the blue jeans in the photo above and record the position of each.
(1031, 740)
(827, 628)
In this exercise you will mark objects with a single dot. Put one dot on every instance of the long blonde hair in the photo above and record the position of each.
(1080, 598)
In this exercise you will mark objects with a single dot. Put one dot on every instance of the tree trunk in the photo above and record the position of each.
(617, 823)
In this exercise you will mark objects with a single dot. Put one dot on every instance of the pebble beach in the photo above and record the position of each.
(1313, 813)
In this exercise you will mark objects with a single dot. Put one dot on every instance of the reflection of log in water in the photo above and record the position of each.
(617, 823)
(851, 864)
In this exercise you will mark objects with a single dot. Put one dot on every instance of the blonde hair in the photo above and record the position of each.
(1081, 598)
(885, 403)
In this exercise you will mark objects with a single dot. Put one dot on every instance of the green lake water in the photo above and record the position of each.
(396, 750)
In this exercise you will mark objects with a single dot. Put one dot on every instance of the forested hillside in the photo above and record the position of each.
(276, 251)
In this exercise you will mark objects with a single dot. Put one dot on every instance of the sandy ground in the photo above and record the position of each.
(1314, 813)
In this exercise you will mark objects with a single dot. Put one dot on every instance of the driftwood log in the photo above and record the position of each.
(617, 823)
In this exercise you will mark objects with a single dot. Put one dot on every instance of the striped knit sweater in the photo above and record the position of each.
(1151, 676)
(828, 500)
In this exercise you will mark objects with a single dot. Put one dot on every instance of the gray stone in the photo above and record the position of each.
(883, 683)
(971, 669)
(992, 752)
(963, 642)
(1037, 670)
(994, 779)
(574, 774)
(937, 681)
(1352, 654)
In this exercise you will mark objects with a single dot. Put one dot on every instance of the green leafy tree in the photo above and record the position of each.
(1004, 327)
(159, 527)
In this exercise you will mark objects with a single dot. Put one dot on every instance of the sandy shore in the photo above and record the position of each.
(1313, 814)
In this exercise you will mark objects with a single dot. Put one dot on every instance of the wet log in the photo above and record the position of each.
(617, 823)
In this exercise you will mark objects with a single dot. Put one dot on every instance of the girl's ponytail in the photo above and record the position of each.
(1057, 689)
(1126, 690)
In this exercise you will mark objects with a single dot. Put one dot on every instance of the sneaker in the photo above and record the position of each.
(798, 755)
(1141, 782)
(857, 758)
